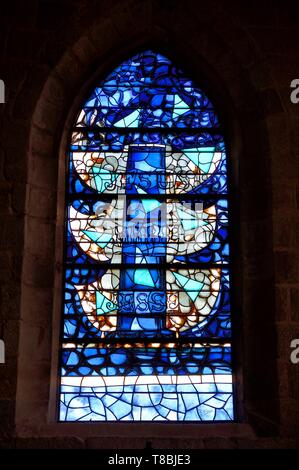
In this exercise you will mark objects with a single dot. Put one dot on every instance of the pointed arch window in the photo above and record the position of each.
(147, 334)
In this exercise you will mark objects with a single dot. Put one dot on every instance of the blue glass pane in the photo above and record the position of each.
(147, 255)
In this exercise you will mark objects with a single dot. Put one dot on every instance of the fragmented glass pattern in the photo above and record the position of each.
(147, 315)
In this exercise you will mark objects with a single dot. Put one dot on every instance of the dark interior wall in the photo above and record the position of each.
(245, 56)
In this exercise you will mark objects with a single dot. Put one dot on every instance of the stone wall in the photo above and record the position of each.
(245, 56)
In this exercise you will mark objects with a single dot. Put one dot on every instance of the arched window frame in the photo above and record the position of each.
(239, 98)
(220, 133)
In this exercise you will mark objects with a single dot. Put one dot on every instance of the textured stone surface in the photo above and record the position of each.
(247, 54)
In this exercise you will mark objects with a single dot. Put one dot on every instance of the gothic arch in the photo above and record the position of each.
(240, 84)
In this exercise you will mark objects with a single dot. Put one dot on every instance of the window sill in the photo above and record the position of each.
(141, 430)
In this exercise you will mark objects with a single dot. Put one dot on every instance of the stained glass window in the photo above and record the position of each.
(147, 333)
